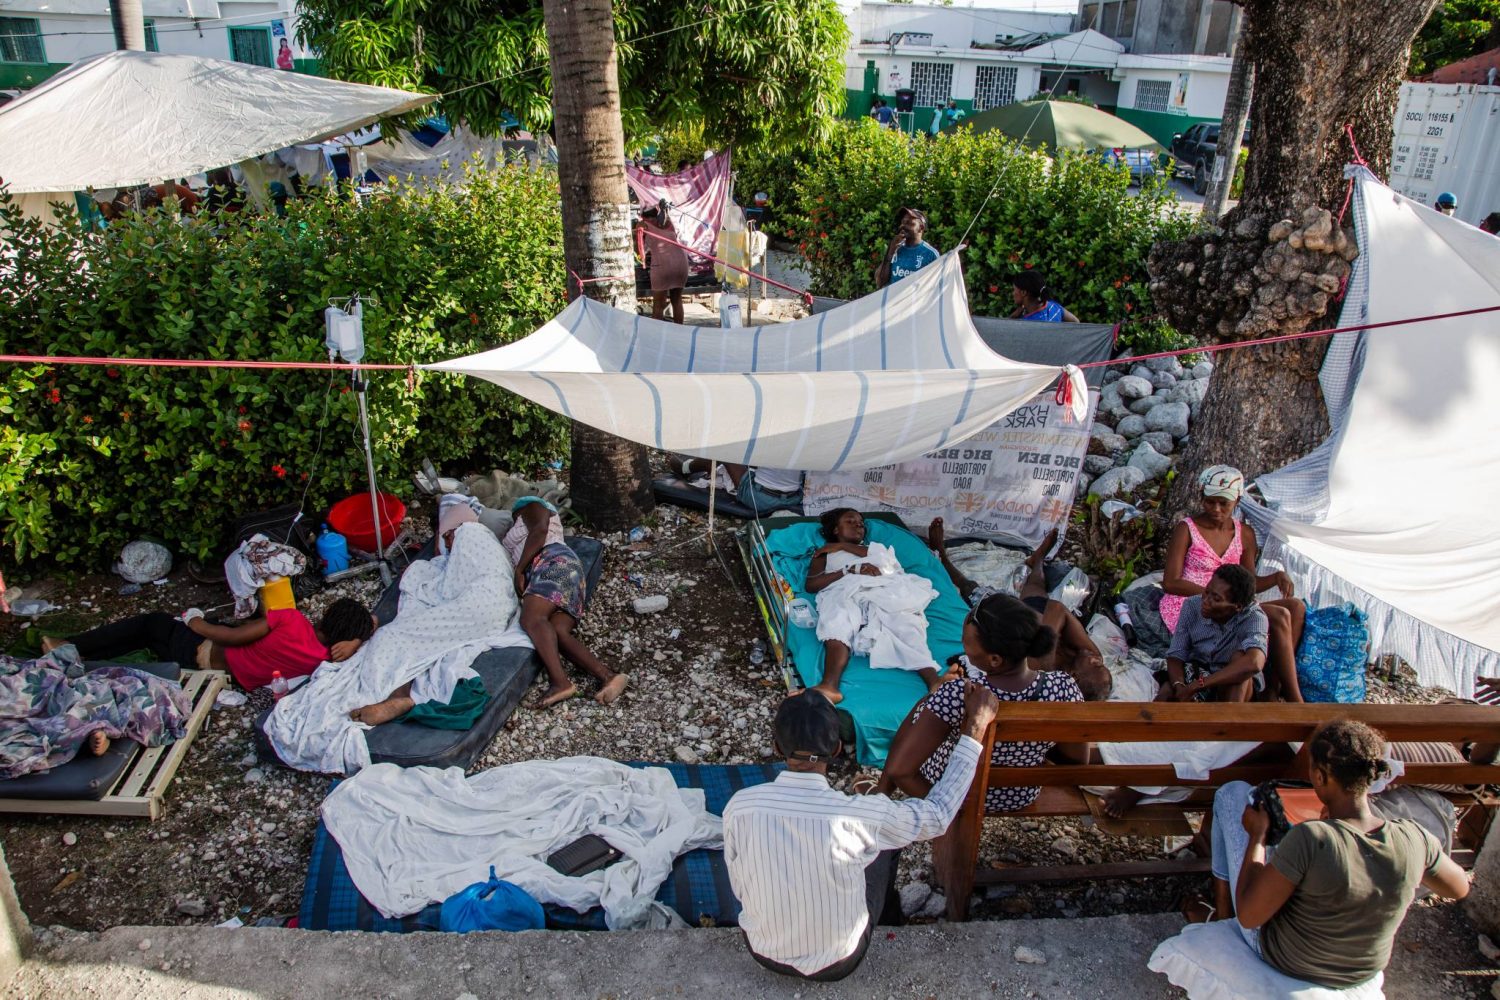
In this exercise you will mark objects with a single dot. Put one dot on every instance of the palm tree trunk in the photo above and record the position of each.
(1276, 261)
(611, 478)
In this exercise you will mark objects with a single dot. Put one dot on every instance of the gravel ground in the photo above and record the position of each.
(235, 836)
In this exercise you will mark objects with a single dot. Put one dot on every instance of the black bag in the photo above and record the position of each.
(284, 524)
(1265, 796)
(586, 854)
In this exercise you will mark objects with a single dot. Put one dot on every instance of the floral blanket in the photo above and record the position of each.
(47, 711)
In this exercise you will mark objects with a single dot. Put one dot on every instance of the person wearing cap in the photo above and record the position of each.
(1212, 537)
(908, 252)
(813, 868)
(1447, 203)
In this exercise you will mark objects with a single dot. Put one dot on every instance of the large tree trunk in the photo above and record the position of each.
(128, 20)
(611, 478)
(1277, 261)
(1231, 131)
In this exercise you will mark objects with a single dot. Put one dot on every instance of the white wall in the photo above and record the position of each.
(1206, 88)
(72, 36)
(951, 27)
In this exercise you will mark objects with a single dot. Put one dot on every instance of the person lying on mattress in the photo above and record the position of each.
(764, 491)
(452, 608)
(551, 583)
(282, 641)
(1001, 638)
(1075, 653)
(867, 604)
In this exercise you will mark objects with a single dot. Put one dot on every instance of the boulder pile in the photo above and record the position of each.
(1143, 421)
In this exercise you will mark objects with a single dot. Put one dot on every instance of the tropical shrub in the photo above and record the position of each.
(91, 457)
(1073, 217)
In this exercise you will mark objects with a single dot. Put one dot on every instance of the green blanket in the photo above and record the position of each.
(877, 700)
(460, 712)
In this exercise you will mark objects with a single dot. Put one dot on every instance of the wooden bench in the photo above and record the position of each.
(956, 853)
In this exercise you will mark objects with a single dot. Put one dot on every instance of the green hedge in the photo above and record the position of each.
(91, 457)
(1073, 217)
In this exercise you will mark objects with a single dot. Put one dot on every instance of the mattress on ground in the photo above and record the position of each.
(507, 673)
(670, 489)
(85, 778)
(876, 700)
(698, 888)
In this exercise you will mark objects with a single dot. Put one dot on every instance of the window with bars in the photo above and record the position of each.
(933, 83)
(1152, 95)
(994, 87)
(251, 45)
(21, 40)
(151, 43)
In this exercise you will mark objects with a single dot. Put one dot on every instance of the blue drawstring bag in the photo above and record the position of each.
(495, 905)
(1331, 657)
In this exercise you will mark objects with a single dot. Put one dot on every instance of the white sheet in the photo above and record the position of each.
(413, 836)
(883, 379)
(883, 617)
(1212, 962)
(453, 608)
(1391, 512)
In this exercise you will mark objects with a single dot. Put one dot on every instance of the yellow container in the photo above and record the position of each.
(276, 594)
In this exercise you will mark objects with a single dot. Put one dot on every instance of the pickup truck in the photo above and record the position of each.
(1193, 152)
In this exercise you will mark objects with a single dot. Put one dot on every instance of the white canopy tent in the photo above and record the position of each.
(882, 379)
(1393, 511)
(128, 118)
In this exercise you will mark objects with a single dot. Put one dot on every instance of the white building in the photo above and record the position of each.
(1160, 64)
(40, 37)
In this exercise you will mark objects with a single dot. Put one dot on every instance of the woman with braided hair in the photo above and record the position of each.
(1324, 903)
(1000, 635)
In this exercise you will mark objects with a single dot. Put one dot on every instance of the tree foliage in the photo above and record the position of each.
(753, 70)
(91, 457)
(1456, 30)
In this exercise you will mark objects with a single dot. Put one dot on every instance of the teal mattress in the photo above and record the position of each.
(876, 700)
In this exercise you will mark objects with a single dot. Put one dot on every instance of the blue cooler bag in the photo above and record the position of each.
(495, 905)
(1331, 657)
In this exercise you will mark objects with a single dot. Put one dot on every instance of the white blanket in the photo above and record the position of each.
(453, 608)
(413, 836)
(883, 617)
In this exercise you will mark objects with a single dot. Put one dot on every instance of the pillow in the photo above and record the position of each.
(1429, 753)
(1213, 962)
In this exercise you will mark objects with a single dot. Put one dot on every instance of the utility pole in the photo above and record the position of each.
(129, 22)
(1232, 129)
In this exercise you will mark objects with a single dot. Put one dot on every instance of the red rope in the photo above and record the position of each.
(1232, 345)
(806, 296)
(594, 281)
(1358, 159)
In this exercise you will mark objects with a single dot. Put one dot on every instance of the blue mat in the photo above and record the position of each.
(877, 700)
(698, 887)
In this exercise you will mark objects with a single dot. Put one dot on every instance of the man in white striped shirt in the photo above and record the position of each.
(813, 867)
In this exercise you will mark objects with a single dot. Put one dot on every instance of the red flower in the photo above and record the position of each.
(222, 442)
(54, 396)
(245, 426)
(1027, 265)
(822, 236)
(994, 289)
(474, 318)
(1128, 307)
(112, 372)
(125, 415)
(280, 472)
(87, 419)
(1117, 284)
(243, 411)
(303, 477)
(1126, 278)
(344, 390)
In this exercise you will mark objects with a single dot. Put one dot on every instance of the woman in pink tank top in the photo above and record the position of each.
(1210, 538)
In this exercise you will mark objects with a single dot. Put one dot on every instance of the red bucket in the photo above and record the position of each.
(351, 518)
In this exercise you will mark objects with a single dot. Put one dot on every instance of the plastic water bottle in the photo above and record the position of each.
(333, 549)
(1122, 614)
(640, 533)
(758, 652)
(279, 686)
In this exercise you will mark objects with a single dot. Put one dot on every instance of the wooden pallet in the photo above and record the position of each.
(140, 789)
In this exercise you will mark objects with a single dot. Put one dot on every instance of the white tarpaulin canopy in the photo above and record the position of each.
(1395, 512)
(883, 379)
(128, 118)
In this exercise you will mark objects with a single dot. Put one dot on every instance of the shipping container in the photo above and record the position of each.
(1448, 139)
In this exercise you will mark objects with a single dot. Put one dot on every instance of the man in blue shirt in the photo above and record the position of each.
(882, 114)
(908, 253)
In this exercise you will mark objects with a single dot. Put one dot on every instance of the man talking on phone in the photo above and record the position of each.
(908, 252)
(814, 869)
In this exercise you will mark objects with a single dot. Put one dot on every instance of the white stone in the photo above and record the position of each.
(1169, 417)
(1160, 440)
(1190, 392)
(1168, 366)
(1132, 426)
(1112, 482)
(1112, 374)
(268, 828)
(1149, 461)
(254, 775)
(1097, 465)
(937, 905)
(1163, 380)
(1140, 370)
(192, 907)
(687, 755)
(649, 605)
(1029, 956)
(1103, 440)
(70, 838)
(145, 944)
(1203, 369)
(1145, 404)
(1065, 846)
(914, 896)
(1111, 403)
(1134, 387)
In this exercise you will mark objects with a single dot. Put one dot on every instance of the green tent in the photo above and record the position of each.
(1060, 124)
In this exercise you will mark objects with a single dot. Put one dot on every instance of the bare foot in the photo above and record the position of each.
(612, 689)
(935, 540)
(385, 711)
(1039, 554)
(51, 642)
(97, 743)
(833, 694)
(556, 696)
(1117, 802)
